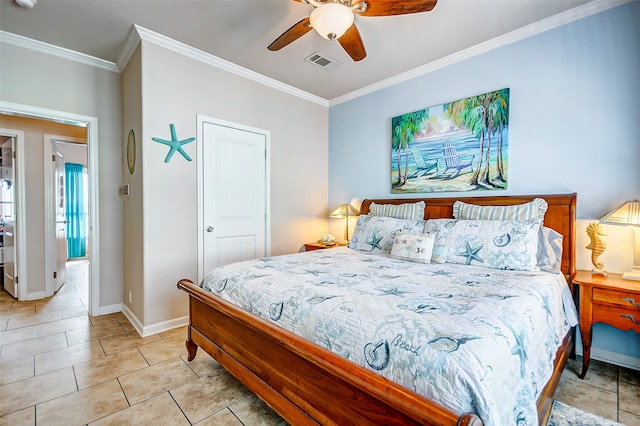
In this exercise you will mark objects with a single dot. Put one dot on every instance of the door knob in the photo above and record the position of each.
(209, 228)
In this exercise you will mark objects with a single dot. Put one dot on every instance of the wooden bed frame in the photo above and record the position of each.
(307, 384)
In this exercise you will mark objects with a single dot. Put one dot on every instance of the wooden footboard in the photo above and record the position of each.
(301, 381)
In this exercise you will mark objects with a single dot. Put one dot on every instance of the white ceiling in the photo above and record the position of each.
(239, 31)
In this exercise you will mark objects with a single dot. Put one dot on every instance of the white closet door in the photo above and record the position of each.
(234, 195)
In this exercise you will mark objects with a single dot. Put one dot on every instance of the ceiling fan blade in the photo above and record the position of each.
(394, 7)
(352, 43)
(291, 35)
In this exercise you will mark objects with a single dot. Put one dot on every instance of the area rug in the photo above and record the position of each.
(565, 415)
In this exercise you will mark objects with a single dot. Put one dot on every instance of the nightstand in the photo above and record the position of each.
(610, 300)
(318, 246)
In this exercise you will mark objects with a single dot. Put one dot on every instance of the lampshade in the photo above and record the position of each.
(345, 210)
(628, 214)
(331, 20)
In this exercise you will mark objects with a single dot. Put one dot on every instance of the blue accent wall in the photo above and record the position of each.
(574, 122)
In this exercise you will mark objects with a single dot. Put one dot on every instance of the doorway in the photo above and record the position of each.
(7, 214)
(91, 124)
(13, 224)
(66, 198)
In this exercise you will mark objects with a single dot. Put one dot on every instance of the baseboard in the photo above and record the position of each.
(135, 322)
(164, 326)
(160, 327)
(612, 357)
(36, 295)
(615, 358)
(110, 309)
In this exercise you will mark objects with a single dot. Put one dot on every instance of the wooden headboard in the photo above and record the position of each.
(561, 215)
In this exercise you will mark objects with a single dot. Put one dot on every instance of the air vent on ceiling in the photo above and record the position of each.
(322, 61)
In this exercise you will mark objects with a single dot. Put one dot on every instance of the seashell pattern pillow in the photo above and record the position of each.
(497, 244)
(375, 234)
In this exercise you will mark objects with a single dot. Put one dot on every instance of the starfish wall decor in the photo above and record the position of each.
(175, 144)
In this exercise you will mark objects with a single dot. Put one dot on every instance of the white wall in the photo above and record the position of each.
(32, 78)
(175, 88)
(573, 128)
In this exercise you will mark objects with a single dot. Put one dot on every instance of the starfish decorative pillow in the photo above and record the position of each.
(375, 234)
(497, 244)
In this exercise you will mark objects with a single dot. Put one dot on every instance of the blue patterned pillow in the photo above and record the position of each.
(375, 234)
(497, 244)
(549, 250)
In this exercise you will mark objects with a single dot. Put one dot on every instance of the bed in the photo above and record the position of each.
(306, 383)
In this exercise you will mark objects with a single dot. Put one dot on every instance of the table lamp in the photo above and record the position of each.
(628, 214)
(345, 210)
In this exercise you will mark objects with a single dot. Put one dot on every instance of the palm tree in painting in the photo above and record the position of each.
(471, 114)
(496, 104)
(485, 116)
(404, 129)
(501, 122)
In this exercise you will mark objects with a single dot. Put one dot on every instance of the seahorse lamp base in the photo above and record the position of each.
(599, 271)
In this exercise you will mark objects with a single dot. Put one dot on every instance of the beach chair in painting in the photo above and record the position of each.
(453, 161)
(422, 166)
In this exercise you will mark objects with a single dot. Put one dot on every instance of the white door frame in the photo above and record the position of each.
(91, 124)
(19, 239)
(49, 208)
(200, 120)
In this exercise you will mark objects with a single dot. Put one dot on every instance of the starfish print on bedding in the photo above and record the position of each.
(374, 242)
(518, 348)
(441, 272)
(471, 253)
(395, 291)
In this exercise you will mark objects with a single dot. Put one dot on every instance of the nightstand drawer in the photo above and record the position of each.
(620, 318)
(628, 301)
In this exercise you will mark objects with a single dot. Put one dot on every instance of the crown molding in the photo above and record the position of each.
(130, 44)
(61, 52)
(207, 58)
(530, 30)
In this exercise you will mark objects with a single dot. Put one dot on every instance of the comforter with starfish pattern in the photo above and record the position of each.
(475, 339)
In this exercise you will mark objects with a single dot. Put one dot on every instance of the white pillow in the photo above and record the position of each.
(400, 211)
(375, 234)
(549, 250)
(496, 244)
(413, 247)
(527, 211)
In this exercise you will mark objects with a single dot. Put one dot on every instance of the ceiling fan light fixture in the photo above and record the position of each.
(331, 20)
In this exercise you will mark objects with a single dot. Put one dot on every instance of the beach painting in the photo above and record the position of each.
(457, 146)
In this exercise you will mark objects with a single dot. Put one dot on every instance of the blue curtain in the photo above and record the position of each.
(74, 210)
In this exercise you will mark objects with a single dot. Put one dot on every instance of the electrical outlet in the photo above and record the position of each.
(130, 297)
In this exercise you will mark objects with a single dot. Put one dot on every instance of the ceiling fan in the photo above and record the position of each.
(334, 20)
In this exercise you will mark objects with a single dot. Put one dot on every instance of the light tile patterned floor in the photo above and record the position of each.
(58, 366)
